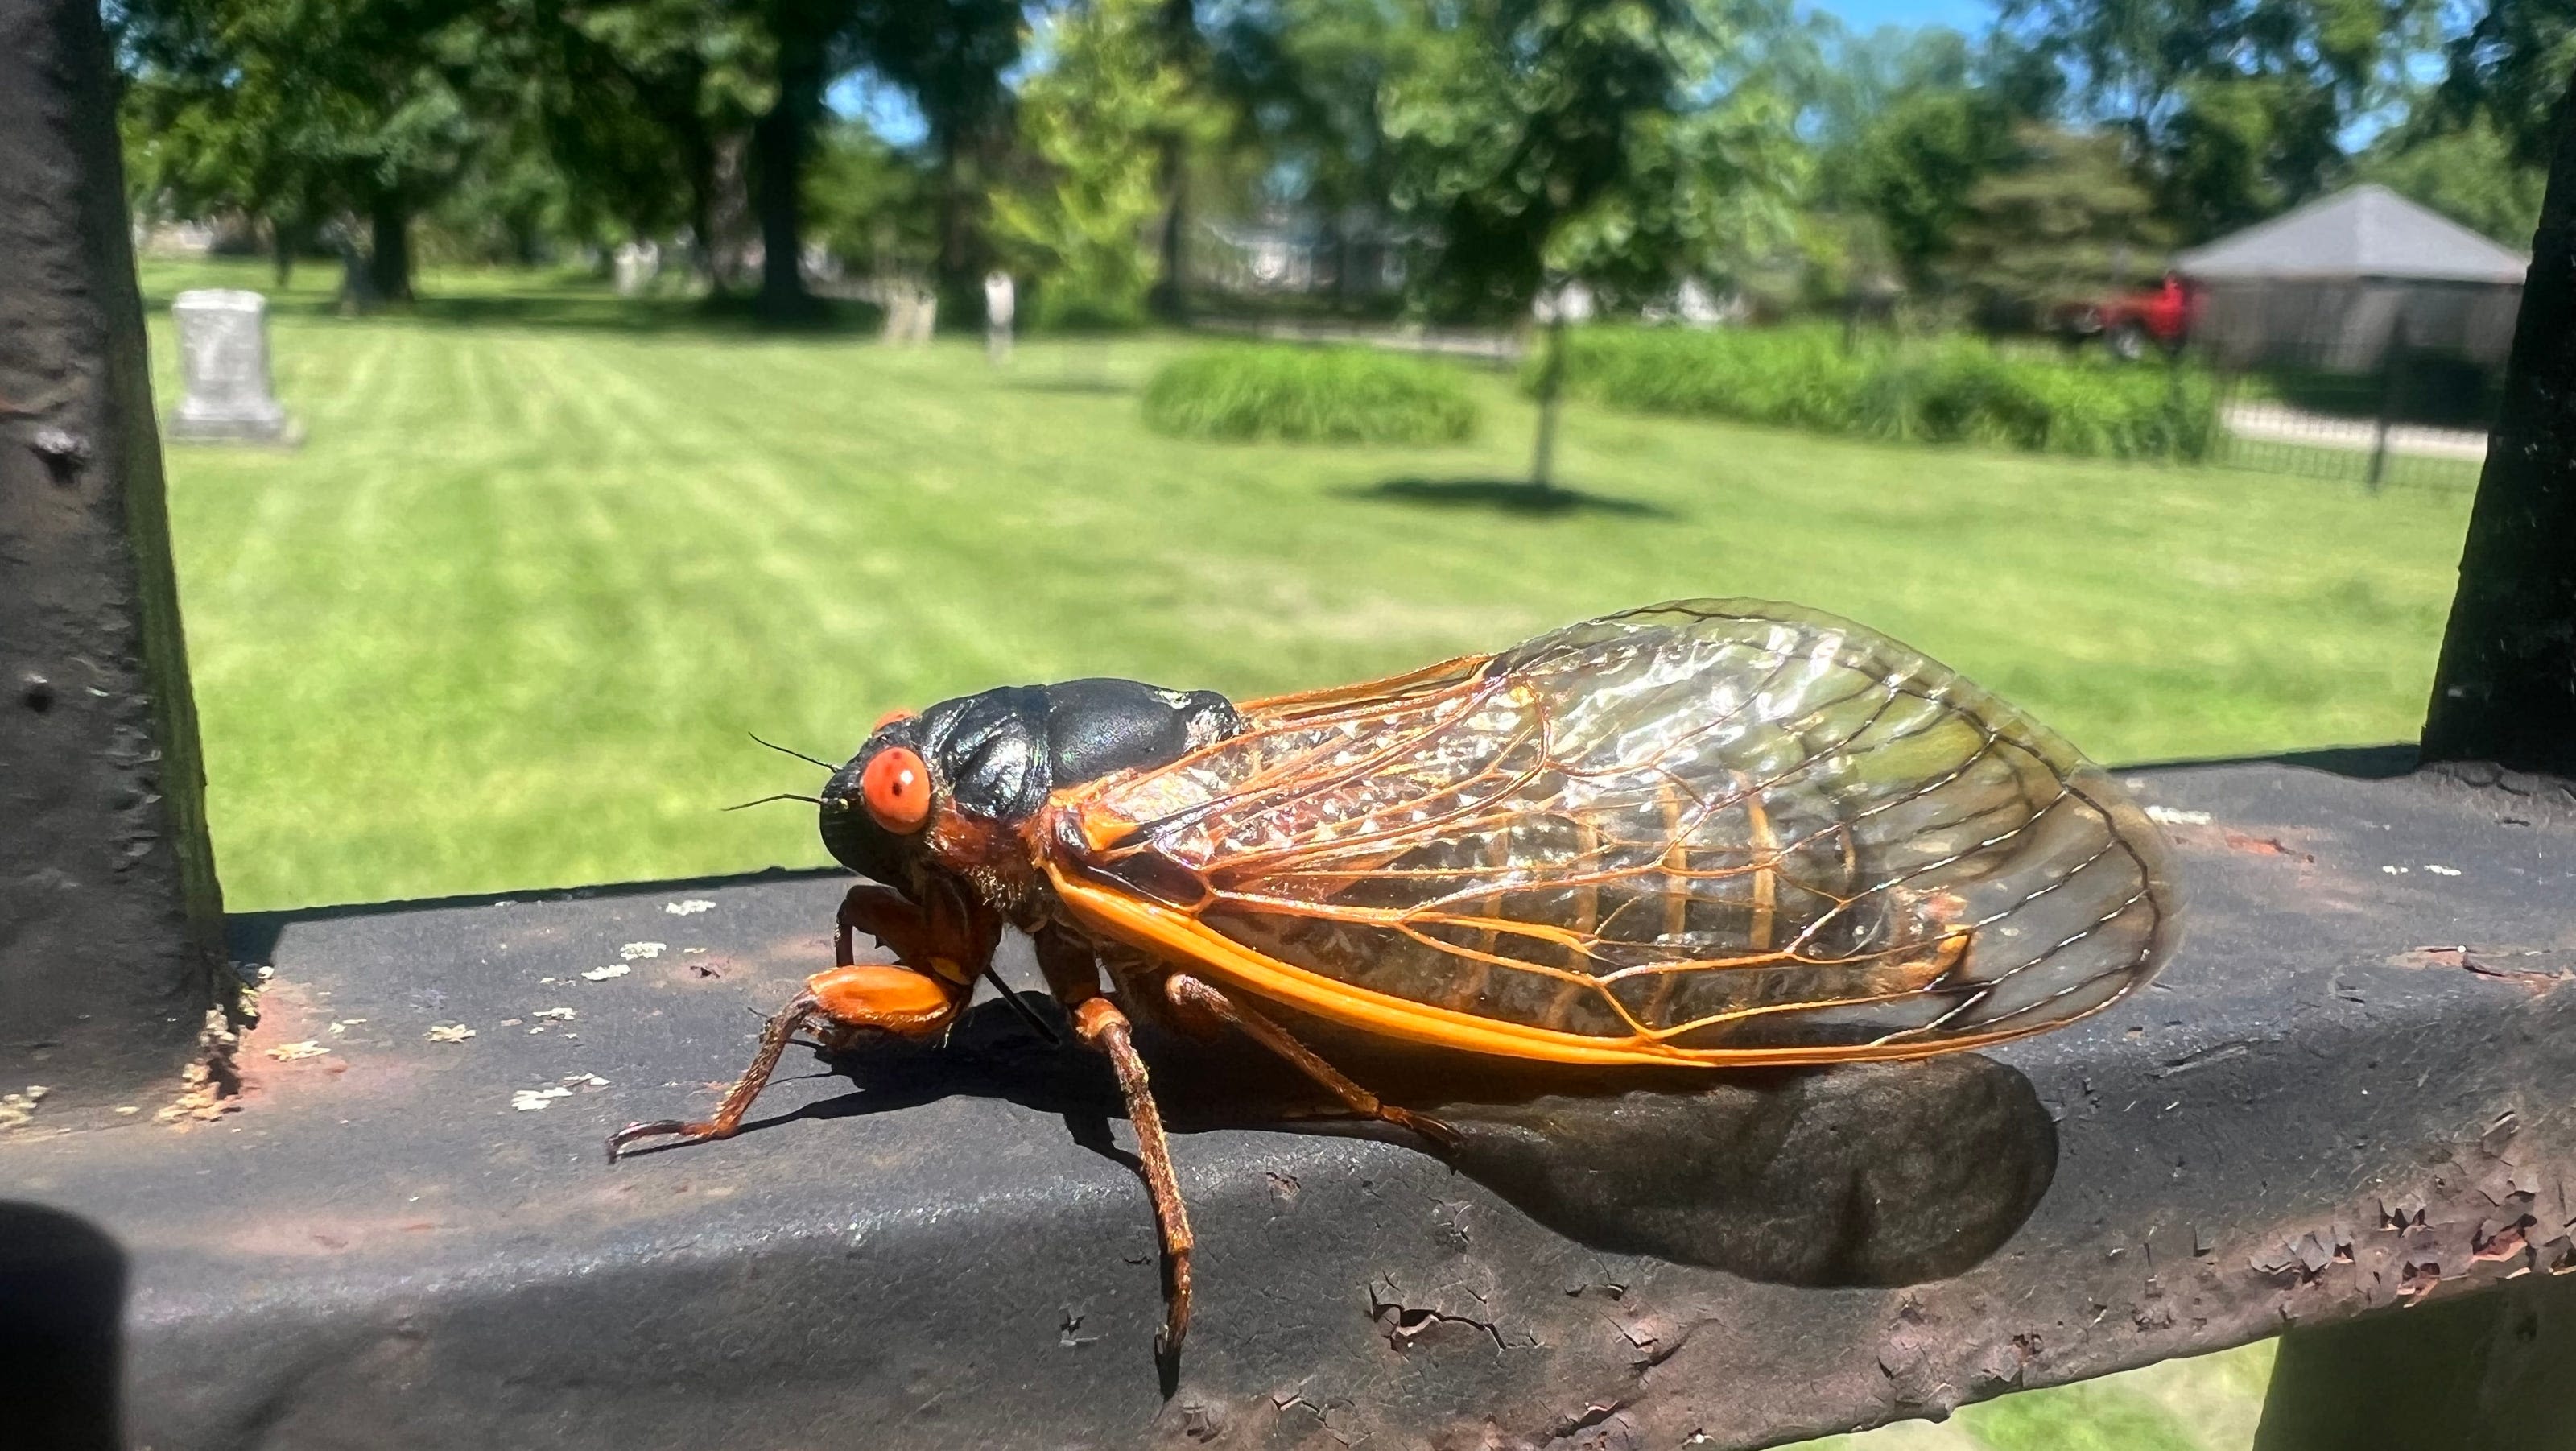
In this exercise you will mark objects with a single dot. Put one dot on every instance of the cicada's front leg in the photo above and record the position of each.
(942, 948)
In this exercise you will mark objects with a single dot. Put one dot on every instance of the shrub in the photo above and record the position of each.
(1797, 377)
(1309, 395)
(1957, 389)
(1064, 306)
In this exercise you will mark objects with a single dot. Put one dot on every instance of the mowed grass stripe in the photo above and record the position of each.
(502, 621)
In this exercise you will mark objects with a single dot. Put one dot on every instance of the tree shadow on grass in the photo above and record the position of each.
(736, 316)
(1093, 387)
(1503, 496)
(573, 309)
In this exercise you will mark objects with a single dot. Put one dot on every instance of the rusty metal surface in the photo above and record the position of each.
(109, 920)
(2353, 1089)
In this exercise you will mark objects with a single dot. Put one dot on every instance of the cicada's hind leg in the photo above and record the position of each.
(1099, 1023)
(1197, 995)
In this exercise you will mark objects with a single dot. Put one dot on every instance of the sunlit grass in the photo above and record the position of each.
(546, 557)
(2211, 1403)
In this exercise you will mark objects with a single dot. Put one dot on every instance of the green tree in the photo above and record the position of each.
(1092, 123)
(2062, 220)
(2235, 108)
(871, 203)
(1918, 165)
(951, 57)
(1613, 142)
(2509, 64)
(643, 102)
(297, 109)
(1306, 83)
(2469, 174)
(1904, 123)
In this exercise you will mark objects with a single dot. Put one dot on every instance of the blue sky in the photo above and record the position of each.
(893, 117)
(1971, 16)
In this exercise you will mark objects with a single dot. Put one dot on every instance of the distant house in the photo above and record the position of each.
(1351, 258)
(2340, 282)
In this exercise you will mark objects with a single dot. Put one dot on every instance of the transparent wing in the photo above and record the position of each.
(1711, 829)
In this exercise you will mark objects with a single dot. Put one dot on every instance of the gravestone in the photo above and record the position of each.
(638, 263)
(1001, 302)
(225, 393)
(911, 311)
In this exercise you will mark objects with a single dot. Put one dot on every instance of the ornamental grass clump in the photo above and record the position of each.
(1795, 377)
(1290, 394)
(1956, 389)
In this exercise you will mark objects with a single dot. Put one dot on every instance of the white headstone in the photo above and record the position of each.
(638, 263)
(1571, 302)
(225, 392)
(1001, 301)
(911, 310)
(1697, 305)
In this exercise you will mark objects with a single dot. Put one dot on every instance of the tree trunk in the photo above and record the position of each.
(702, 211)
(1169, 299)
(780, 140)
(389, 255)
(962, 258)
(282, 235)
(1183, 47)
(729, 220)
(1551, 383)
(2506, 687)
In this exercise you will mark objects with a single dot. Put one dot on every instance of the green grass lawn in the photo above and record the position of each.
(505, 619)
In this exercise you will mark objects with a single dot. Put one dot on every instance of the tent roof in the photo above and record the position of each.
(2366, 231)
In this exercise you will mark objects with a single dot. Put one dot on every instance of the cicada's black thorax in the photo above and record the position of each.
(995, 757)
(999, 754)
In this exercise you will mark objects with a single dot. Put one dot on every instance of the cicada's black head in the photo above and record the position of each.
(942, 788)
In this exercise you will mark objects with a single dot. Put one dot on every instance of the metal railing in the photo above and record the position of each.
(2355, 1092)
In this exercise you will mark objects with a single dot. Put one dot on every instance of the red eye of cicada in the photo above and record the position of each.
(896, 788)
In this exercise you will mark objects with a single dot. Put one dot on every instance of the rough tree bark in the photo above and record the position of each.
(780, 140)
(389, 246)
(1551, 387)
(2506, 687)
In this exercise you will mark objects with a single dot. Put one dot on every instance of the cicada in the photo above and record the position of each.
(1711, 834)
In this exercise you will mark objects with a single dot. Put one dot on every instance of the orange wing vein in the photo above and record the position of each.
(1716, 831)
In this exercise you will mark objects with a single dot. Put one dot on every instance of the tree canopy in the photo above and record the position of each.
(1500, 143)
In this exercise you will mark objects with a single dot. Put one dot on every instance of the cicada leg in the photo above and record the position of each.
(867, 996)
(1198, 995)
(1098, 1022)
(782, 1026)
(853, 997)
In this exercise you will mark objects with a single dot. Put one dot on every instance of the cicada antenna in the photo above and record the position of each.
(781, 796)
(784, 751)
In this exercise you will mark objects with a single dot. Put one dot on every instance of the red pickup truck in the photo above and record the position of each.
(2128, 322)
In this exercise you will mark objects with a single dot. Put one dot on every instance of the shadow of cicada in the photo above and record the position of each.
(1857, 1174)
(1860, 1174)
